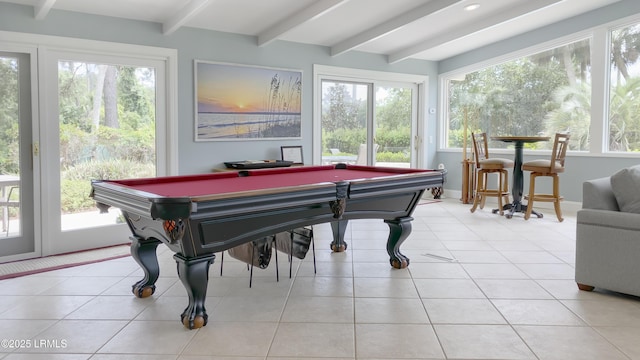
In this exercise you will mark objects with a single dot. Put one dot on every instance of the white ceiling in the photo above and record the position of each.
(399, 29)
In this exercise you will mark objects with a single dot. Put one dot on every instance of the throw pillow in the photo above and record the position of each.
(626, 188)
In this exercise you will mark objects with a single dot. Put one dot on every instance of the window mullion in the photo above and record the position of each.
(599, 99)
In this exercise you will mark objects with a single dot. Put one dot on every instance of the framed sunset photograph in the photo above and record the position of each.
(236, 102)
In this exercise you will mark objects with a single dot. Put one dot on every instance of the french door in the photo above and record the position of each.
(17, 164)
(103, 120)
(92, 111)
(368, 123)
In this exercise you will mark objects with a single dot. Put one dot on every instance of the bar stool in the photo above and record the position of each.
(486, 166)
(547, 167)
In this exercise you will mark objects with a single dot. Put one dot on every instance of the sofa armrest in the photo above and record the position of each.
(607, 248)
(609, 219)
(598, 194)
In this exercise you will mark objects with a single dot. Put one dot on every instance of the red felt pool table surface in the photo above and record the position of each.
(233, 182)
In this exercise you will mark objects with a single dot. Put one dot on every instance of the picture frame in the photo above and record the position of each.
(244, 102)
(292, 153)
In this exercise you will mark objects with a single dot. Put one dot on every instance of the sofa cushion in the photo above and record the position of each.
(626, 188)
(598, 194)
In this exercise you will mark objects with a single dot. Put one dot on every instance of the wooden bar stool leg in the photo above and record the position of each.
(478, 192)
(485, 180)
(556, 197)
(499, 193)
(505, 173)
(532, 189)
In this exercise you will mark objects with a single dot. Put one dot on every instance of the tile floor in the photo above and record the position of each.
(479, 286)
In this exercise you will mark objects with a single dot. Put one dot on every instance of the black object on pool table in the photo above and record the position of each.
(199, 215)
(257, 164)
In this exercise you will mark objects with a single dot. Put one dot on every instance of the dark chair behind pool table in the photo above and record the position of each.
(294, 243)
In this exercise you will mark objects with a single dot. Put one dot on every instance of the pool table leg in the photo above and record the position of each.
(194, 274)
(339, 229)
(144, 253)
(399, 230)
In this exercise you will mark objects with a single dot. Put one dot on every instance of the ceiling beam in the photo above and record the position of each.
(42, 8)
(391, 25)
(309, 13)
(511, 14)
(185, 14)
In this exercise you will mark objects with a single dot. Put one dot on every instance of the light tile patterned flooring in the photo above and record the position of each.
(479, 286)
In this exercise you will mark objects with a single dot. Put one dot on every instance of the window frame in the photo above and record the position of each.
(610, 27)
(167, 162)
(600, 37)
(376, 78)
(444, 78)
(44, 47)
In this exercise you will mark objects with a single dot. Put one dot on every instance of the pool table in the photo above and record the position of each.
(199, 215)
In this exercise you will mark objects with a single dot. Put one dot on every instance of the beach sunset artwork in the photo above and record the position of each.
(247, 102)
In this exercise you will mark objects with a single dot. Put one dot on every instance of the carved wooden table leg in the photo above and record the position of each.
(144, 253)
(339, 228)
(399, 230)
(194, 274)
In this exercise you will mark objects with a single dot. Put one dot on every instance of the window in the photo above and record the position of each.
(349, 127)
(368, 117)
(624, 90)
(539, 94)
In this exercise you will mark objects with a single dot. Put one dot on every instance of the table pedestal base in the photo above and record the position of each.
(516, 207)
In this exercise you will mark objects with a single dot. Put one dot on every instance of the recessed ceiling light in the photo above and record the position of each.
(472, 7)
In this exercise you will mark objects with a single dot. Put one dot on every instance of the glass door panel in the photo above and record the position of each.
(16, 171)
(107, 131)
(345, 116)
(360, 126)
(394, 125)
(101, 123)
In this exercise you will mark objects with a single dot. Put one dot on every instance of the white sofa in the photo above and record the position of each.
(608, 238)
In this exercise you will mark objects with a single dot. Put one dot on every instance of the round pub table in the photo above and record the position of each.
(518, 177)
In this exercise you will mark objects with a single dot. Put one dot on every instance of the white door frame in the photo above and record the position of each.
(34, 235)
(47, 223)
(324, 72)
